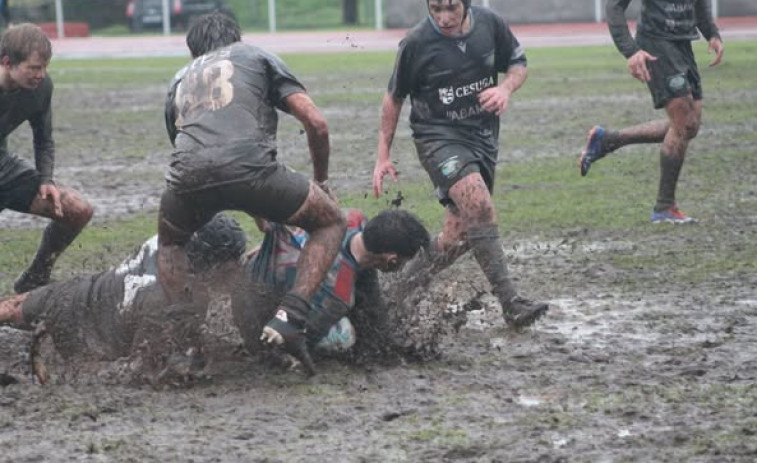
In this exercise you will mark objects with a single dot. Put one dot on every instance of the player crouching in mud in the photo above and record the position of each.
(123, 313)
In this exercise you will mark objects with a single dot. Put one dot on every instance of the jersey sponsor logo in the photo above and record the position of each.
(447, 95)
(464, 113)
(450, 166)
(679, 7)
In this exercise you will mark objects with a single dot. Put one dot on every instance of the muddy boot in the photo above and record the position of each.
(55, 239)
(518, 312)
(287, 328)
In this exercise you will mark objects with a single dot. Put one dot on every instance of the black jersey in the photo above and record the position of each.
(662, 19)
(221, 115)
(99, 313)
(18, 106)
(444, 75)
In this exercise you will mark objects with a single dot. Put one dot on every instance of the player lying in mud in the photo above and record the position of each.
(122, 312)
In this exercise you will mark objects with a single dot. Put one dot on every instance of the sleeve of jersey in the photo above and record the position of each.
(169, 113)
(399, 83)
(705, 23)
(283, 82)
(615, 10)
(44, 147)
(509, 51)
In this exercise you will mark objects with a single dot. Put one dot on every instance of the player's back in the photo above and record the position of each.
(228, 97)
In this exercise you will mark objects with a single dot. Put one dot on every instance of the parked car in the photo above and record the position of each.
(144, 14)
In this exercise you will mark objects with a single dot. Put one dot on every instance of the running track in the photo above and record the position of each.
(530, 35)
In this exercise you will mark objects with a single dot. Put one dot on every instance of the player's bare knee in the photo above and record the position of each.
(77, 212)
(691, 127)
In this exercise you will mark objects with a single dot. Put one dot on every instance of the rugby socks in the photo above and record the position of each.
(610, 142)
(670, 168)
(55, 239)
(487, 249)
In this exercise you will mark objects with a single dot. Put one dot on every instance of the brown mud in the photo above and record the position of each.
(628, 365)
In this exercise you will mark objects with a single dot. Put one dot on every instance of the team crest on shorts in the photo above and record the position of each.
(447, 95)
(450, 166)
(677, 83)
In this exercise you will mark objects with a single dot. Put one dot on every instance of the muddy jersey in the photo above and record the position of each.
(21, 105)
(275, 264)
(444, 75)
(105, 303)
(662, 19)
(221, 116)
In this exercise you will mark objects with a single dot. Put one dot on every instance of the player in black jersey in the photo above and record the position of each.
(25, 95)
(124, 311)
(221, 116)
(449, 65)
(662, 57)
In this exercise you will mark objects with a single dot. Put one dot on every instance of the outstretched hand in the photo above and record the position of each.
(637, 65)
(382, 168)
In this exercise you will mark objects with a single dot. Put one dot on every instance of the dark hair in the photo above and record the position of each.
(394, 230)
(466, 3)
(211, 31)
(218, 241)
(19, 42)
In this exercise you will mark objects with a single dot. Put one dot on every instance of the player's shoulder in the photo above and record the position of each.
(178, 76)
(44, 90)
(240, 52)
(487, 16)
(422, 32)
(355, 218)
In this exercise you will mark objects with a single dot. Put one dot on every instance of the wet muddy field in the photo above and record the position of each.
(632, 362)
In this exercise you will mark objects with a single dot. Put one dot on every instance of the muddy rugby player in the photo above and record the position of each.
(221, 114)
(449, 65)
(384, 243)
(661, 56)
(124, 312)
(26, 92)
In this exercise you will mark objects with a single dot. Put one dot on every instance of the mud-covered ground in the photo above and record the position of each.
(632, 362)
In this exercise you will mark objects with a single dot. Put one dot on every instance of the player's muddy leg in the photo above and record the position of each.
(173, 271)
(473, 200)
(55, 238)
(173, 262)
(647, 132)
(10, 310)
(320, 216)
(685, 114)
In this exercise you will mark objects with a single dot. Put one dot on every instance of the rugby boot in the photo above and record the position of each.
(593, 151)
(671, 215)
(55, 239)
(287, 329)
(32, 278)
(520, 312)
